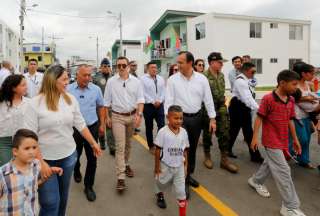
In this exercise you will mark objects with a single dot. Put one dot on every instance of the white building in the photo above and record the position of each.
(273, 44)
(9, 45)
(133, 50)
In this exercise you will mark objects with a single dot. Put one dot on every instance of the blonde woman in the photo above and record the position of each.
(52, 115)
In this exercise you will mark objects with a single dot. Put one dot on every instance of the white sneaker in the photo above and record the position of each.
(261, 189)
(291, 212)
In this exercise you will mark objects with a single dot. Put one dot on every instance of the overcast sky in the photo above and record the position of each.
(138, 17)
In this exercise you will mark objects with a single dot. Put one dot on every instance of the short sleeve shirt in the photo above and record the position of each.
(172, 145)
(18, 191)
(276, 115)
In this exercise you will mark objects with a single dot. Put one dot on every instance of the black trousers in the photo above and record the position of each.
(151, 113)
(193, 126)
(91, 159)
(240, 118)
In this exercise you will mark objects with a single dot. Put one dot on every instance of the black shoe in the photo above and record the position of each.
(187, 191)
(231, 155)
(112, 152)
(161, 202)
(257, 159)
(77, 177)
(91, 195)
(194, 183)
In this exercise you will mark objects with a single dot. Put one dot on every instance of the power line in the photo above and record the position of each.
(66, 15)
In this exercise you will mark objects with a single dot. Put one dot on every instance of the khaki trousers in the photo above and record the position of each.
(122, 128)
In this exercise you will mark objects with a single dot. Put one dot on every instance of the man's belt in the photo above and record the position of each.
(192, 114)
(125, 114)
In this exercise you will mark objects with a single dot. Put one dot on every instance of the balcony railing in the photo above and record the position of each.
(163, 53)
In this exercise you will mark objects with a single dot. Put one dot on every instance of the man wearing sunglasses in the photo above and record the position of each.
(124, 96)
(217, 86)
(33, 78)
(100, 79)
(241, 107)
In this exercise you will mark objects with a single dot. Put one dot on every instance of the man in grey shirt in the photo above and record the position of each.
(237, 63)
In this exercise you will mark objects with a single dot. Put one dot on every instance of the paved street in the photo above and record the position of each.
(231, 190)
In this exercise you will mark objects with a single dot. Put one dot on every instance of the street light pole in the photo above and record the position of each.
(121, 42)
(21, 17)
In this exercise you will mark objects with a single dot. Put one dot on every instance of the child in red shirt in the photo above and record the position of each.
(276, 114)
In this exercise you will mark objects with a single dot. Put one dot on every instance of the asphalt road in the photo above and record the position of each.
(231, 193)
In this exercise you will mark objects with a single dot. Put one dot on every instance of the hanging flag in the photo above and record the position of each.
(178, 43)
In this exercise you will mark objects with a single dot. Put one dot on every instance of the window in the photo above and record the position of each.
(273, 60)
(273, 25)
(48, 49)
(168, 43)
(200, 31)
(39, 58)
(36, 49)
(295, 32)
(125, 52)
(26, 58)
(292, 61)
(258, 64)
(24, 49)
(184, 38)
(255, 30)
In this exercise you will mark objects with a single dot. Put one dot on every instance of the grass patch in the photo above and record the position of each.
(265, 88)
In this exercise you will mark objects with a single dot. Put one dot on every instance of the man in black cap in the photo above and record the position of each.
(100, 79)
(217, 86)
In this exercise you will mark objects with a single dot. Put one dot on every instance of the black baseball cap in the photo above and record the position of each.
(216, 56)
(105, 61)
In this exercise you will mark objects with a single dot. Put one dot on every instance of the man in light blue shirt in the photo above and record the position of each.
(91, 104)
(237, 63)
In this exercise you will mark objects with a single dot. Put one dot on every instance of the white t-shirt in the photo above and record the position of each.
(173, 146)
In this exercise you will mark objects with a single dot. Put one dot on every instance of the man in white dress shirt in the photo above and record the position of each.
(5, 71)
(189, 89)
(154, 93)
(34, 78)
(241, 107)
(124, 93)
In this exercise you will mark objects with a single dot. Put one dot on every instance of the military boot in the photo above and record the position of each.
(228, 165)
(207, 160)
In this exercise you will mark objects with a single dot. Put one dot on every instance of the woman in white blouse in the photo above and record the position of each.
(52, 114)
(12, 108)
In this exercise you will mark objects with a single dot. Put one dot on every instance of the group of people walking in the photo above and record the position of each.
(45, 123)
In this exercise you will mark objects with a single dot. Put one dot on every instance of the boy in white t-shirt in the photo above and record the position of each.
(171, 158)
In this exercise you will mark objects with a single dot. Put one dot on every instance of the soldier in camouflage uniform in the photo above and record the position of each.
(100, 79)
(217, 85)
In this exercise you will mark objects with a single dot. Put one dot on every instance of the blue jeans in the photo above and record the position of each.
(303, 130)
(53, 194)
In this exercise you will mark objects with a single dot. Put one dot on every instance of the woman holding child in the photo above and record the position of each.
(303, 123)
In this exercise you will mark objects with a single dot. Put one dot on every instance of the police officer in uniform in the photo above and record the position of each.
(217, 86)
(100, 79)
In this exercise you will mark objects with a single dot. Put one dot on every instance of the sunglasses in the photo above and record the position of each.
(200, 65)
(119, 66)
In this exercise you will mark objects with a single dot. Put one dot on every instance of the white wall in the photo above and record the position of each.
(231, 38)
(9, 46)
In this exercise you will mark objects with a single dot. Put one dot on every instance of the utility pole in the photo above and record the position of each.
(97, 52)
(21, 17)
(42, 48)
